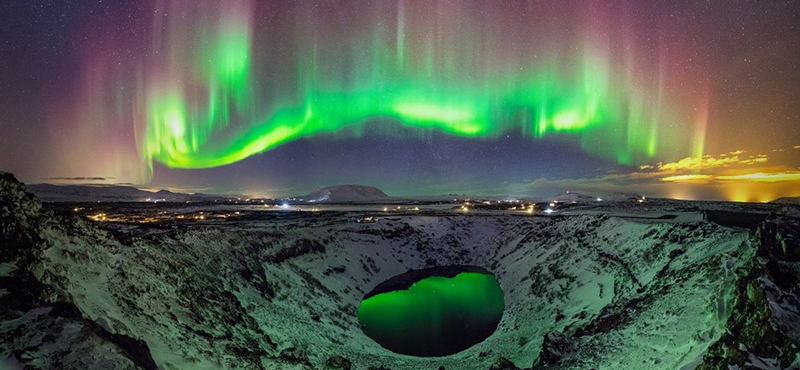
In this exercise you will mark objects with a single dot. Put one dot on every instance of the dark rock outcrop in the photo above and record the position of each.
(298, 248)
(338, 362)
(39, 326)
(766, 313)
(555, 347)
(407, 279)
(503, 364)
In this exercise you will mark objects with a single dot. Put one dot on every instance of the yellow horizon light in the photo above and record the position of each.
(764, 177)
(682, 178)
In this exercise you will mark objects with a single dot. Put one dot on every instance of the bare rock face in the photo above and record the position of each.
(407, 279)
(503, 364)
(338, 362)
(19, 220)
(555, 347)
(346, 193)
(764, 327)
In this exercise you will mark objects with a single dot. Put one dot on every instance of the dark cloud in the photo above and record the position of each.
(79, 178)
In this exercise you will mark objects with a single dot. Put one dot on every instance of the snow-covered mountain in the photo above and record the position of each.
(584, 291)
(346, 193)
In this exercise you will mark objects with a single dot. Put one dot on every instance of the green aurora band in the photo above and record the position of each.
(207, 103)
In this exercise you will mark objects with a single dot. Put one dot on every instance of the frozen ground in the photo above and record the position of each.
(279, 291)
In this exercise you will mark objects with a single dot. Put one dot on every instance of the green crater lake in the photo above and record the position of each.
(434, 316)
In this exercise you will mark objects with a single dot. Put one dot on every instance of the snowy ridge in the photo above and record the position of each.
(346, 193)
(607, 293)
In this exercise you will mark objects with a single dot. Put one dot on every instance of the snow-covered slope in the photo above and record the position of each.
(282, 293)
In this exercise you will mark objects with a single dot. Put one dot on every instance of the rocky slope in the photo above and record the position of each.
(40, 325)
(763, 331)
(581, 291)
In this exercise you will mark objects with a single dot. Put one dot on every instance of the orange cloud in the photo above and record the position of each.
(760, 159)
(707, 162)
(733, 176)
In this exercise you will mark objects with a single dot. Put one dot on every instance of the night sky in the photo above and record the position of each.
(684, 99)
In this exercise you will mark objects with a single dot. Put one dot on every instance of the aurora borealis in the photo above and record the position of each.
(249, 95)
(202, 106)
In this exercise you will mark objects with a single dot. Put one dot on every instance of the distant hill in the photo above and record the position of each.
(787, 200)
(570, 197)
(574, 197)
(108, 193)
(346, 193)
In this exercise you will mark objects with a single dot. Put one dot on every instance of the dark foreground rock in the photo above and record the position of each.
(40, 327)
(764, 326)
(555, 347)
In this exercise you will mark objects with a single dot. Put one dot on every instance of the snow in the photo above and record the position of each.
(169, 290)
(630, 292)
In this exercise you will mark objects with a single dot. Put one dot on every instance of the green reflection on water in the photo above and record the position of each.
(436, 316)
